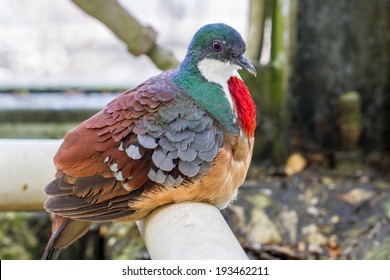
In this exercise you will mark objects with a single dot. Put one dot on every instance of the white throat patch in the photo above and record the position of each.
(218, 72)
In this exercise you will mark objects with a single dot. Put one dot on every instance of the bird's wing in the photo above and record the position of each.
(148, 137)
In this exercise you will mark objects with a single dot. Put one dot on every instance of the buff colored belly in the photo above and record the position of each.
(218, 187)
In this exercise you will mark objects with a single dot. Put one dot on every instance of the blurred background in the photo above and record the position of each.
(318, 186)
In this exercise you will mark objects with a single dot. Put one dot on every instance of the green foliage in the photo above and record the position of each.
(23, 236)
(18, 238)
(380, 251)
(124, 242)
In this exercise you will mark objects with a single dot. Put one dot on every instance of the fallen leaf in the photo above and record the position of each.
(301, 246)
(313, 236)
(356, 196)
(260, 200)
(289, 221)
(261, 229)
(335, 219)
(333, 247)
(329, 182)
(315, 249)
(295, 164)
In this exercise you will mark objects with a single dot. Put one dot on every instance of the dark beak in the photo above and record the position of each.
(245, 64)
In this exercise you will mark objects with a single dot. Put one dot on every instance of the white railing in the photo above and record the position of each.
(177, 231)
(26, 166)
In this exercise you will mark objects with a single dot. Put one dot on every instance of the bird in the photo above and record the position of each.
(186, 134)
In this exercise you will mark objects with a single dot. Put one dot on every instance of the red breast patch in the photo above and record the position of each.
(244, 105)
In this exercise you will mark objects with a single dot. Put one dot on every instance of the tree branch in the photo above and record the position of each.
(138, 38)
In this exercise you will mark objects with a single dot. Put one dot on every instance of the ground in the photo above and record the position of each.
(315, 214)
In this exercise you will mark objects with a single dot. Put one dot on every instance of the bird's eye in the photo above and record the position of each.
(216, 45)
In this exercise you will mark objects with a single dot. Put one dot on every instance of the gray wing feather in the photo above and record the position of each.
(180, 137)
(188, 168)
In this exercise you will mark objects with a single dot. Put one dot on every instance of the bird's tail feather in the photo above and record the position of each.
(65, 231)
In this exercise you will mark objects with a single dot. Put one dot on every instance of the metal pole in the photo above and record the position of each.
(189, 231)
(26, 167)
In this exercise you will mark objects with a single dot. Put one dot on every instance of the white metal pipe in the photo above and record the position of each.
(26, 167)
(190, 231)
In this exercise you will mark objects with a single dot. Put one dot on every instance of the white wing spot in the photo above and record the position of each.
(114, 167)
(119, 176)
(126, 187)
(133, 152)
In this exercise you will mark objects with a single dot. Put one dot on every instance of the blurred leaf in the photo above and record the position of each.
(260, 201)
(386, 208)
(356, 196)
(17, 239)
(333, 247)
(295, 164)
(380, 251)
(261, 229)
(314, 238)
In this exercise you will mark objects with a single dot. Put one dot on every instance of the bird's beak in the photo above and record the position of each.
(245, 64)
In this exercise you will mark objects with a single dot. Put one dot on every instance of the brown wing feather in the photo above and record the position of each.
(87, 183)
(150, 137)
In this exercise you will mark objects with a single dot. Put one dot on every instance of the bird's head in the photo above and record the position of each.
(208, 74)
(218, 48)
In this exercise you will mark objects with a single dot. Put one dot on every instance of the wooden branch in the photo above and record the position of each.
(138, 38)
